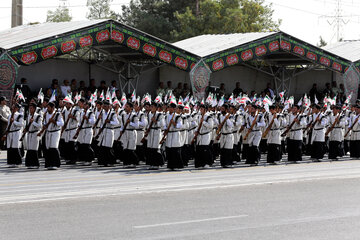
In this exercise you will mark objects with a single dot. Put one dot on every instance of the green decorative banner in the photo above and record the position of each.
(244, 53)
(152, 47)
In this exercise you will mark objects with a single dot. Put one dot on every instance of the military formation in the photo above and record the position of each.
(172, 132)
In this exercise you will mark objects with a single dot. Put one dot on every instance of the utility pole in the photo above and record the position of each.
(16, 13)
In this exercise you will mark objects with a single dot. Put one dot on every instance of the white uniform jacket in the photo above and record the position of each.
(173, 138)
(355, 132)
(155, 133)
(86, 132)
(106, 138)
(296, 131)
(143, 122)
(32, 139)
(128, 139)
(227, 136)
(52, 135)
(254, 137)
(205, 133)
(15, 131)
(318, 132)
(72, 124)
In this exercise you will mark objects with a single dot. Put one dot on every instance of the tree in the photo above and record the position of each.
(100, 9)
(155, 17)
(224, 17)
(61, 14)
(321, 43)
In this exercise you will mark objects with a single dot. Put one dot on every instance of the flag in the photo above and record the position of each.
(181, 102)
(316, 101)
(133, 96)
(254, 99)
(52, 98)
(221, 101)
(300, 102)
(214, 102)
(231, 98)
(40, 96)
(116, 101)
(347, 101)
(158, 99)
(187, 98)
(102, 95)
(281, 94)
(267, 101)
(68, 99)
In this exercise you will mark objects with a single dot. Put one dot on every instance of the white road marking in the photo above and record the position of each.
(189, 221)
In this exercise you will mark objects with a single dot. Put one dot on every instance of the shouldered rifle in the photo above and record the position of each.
(252, 126)
(353, 125)
(9, 126)
(167, 129)
(27, 127)
(269, 127)
(218, 131)
(333, 125)
(125, 126)
(153, 120)
(47, 124)
(98, 120)
(103, 126)
(198, 130)
(67, 120)
(290, 126)
(312, 124)
(80, 127)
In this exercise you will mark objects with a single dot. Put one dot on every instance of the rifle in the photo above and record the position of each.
(47, 124)
(290, 126)
(124, 129)
(80, 127)
(348, 131)
(312, 124)
(149, 128)
(67, 121)
(167, 130)
(98, 120)
(333, 125)
(103, 126)
(218, 131)
(198, 130)
(269, 127)
(3, 138)
(252, 126)
(27, 127)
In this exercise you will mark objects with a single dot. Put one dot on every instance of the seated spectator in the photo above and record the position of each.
(327, 91)
(186, 90)
(268, 89)
(169, 88)
(314, 93)
(161, 89)
(102, 87)
(92, 86)
(222, 90)
(178, 90)
(65, 89)
(334, 88)
(113, 86)
(73, 85)
(237, 91)
(82, 87)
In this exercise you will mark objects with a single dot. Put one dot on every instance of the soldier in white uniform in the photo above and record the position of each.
(34, 122)
(296, 134)
(274, 136)
(87, 121)
(143, 122)
(98, 116)
(156, 122)
(72, 121)
(238, 122)
(173, 139)
(227, 137)
(4, 115)
(336, 138)
(319, 122)
(13, 144)
(254, 137)
(54, 122)
(117, 146)
(106, 137)
(203, 155)
(130, 122)
(355, 134)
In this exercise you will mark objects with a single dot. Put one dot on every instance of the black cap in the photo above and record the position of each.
(106, 102)
(17, 105)
(32, 104)
(51, 104)
(172, 105)
(3, 98)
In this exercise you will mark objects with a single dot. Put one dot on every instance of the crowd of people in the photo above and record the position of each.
(174, 128)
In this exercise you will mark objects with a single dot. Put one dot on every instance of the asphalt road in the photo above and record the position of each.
(297, 201)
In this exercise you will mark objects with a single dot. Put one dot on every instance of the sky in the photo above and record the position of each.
(304, 19)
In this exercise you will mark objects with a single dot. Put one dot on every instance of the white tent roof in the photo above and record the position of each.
(205, 45)
(349, 50)
(18, 36)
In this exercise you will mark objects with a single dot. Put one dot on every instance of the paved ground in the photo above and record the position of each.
(288, 201)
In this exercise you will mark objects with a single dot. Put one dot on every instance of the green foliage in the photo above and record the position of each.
(100, 9)
(226, 16)
(173, 20)
(61, 14)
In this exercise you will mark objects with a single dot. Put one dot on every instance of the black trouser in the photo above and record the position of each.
(203, 156)
(226, 157)
(274, 153)
(253, 155)
(318, 150)
(31, 159)
(154, 157)
(355, 149)
(52, 158)
(70, 152)
(106, 156)
(173, 157)
(14, 156)
(294, 150)
(85, 153)
(336, 149)
(130, 157)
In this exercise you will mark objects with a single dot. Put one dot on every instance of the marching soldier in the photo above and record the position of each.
(72, 119)
(130, 122)
(276, 121)
(337, 124)
(156, 121)
(12, 136)
(254, 122)
(225, 128)
(204, 130)
(84, 133)
(34, 124)
(238, 122)
(143, 122)
(173, 139)
(318, 124)
(355, 134)
(53, 123)
(105, 136)
(4, 115)
(296, 124)
(98, 116)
